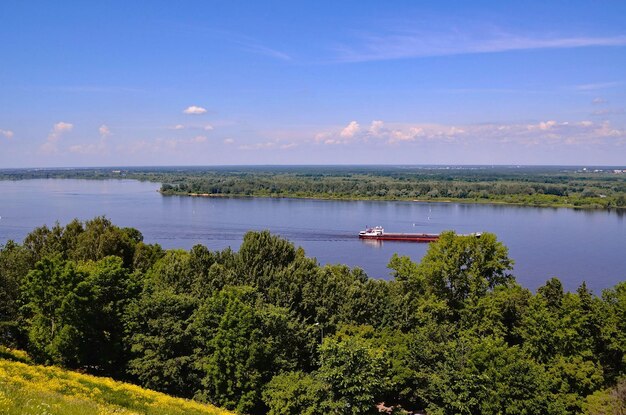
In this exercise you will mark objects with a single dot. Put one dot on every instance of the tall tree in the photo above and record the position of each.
(157, 333)
(107, 290)
(458, 268)
(14, 265)
(356, 373)
(52, 308)
(240, 345)
(101, 238)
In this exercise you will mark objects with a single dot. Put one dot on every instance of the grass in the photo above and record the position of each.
(46, 390)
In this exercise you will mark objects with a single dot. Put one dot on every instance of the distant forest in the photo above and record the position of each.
(267, 330)
(532, 186)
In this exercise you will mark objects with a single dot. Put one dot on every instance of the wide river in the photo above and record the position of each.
(574, 245)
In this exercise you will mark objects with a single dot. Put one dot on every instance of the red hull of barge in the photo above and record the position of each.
(408, 237)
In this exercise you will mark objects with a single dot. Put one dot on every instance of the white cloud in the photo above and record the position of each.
(229, 141)
(6, 133)
(376, 127)
(194, 110)
(378, 130)
(208, 127)
(100, 147)
(546, 125)
(199, 139)
(60, 128)
(549, 132)
(606, 130)
(350, 130)
(404, 135)
(104, 131)
(178, 127)
(322, 137)
(51, 144)
(598, 100)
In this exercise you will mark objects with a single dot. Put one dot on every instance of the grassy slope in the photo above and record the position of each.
(34, 389)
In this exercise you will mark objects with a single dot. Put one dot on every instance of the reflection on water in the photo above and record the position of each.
(574, 245)
(373, 243)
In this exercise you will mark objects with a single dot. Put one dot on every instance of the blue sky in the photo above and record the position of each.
(353, 82)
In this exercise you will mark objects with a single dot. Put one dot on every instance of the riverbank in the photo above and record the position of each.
(534, 186)
(595, 204)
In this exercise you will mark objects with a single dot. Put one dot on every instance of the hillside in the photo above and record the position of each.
(29, 389)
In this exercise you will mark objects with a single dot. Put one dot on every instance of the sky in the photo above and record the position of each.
(287, 82)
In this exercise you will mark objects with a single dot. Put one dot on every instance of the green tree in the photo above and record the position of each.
(458, 268)
(160, 342)
(487, 377)
(14, 265)
(572, 378)
(172, 272)
(552, 292)
(106, 291)
(51, 306)
(101, 239)
(297, 393)
(613, 331)
(262, 253)
(611, 401)
(356, 373)
(58, 241)
(241, 344)
(146, 255)
(538, 330)
(499, 313)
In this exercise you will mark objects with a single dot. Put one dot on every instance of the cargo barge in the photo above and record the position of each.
(379, 234)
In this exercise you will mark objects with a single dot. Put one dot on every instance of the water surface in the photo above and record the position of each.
(574, 245)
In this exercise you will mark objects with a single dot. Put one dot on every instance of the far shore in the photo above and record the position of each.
(446, 200)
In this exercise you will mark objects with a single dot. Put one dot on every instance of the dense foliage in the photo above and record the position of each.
(483, 186)
(539, 186)
(268, 330)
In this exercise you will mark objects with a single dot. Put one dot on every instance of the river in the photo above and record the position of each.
(574, 245)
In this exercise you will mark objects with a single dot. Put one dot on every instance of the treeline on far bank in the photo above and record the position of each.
(533, 186)
(483, 186)
(268, 330)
